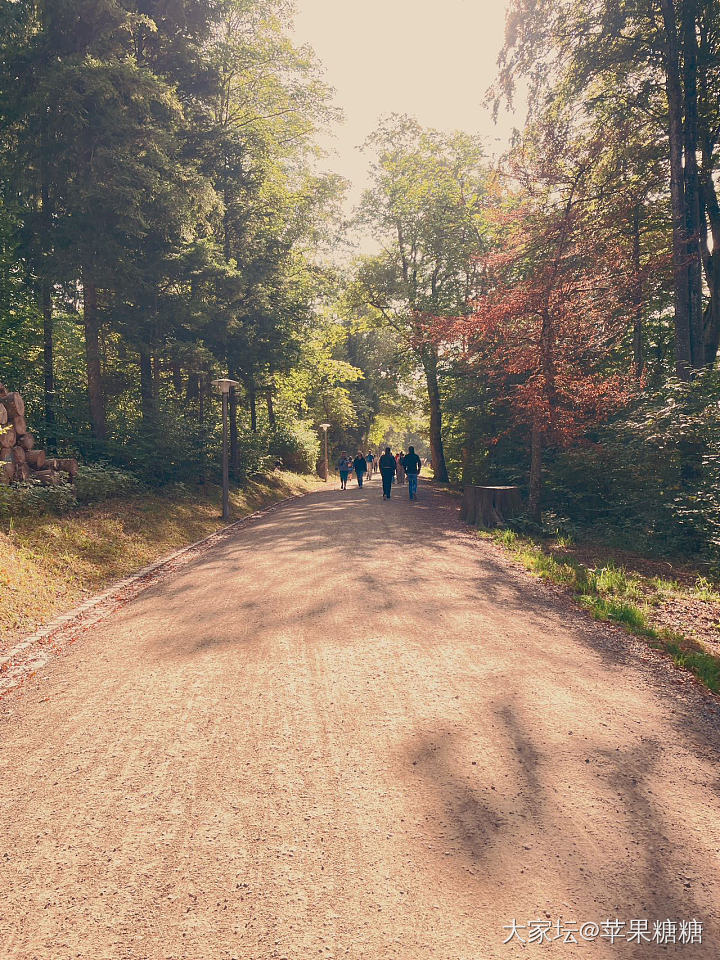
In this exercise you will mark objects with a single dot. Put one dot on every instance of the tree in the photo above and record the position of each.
(660, 60)
(427, 204)
(555, 305)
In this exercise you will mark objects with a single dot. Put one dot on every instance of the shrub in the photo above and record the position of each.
(253, 454)
(100, 481)
(29, 499)
(296, 445)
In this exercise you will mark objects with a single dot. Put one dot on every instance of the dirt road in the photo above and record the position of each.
(354, 731)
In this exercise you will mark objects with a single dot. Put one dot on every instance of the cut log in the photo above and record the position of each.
(7, 437)
(14, 404)
(19, 424)
(47, 477)
(490, 506)
(27, 441)
(3, 415)
(7, 467)
(22, 471)
(19, 455)
(35, 459)
(51, 463)
(68, 465)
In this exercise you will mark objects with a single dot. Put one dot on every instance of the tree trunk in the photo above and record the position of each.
(683, 349)
(92, 355)
(147, 397)
(192, 388)
(48, 365)
(253, 409)
(156, 368)
(692, 182)
(638, 354)
(176, 370)
(436, 445)
(46, 289)
(711, 261)
(536, 453)
(270, 410)
(233, 418)
(201, 417)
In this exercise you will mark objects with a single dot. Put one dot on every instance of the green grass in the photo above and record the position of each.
(609, 593)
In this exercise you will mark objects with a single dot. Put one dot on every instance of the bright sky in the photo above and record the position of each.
(432, 59)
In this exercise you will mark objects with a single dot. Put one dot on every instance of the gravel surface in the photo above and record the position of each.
(351, 729)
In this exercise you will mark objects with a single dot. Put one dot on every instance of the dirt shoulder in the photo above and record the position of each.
(50, 564)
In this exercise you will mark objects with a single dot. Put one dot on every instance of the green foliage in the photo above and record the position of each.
(296, 445)
(651, 479)
(101, 481)
(32, 500)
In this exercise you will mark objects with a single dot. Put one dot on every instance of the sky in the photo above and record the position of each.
(432, 59)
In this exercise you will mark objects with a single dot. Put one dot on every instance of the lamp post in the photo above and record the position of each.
(223, 386)
(325, 427)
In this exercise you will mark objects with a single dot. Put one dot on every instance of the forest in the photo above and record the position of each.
(548, 318)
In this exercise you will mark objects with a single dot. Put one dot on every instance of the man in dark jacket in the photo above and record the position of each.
(359, 466)
(412, 465)
(387, 471)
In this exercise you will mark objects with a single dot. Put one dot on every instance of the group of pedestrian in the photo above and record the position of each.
(392, 467)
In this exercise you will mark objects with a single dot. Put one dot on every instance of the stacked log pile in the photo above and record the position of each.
(19, 459)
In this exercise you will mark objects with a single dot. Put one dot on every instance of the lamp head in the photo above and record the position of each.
(224, 384)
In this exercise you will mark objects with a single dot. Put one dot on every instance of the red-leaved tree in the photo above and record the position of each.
(556, 305)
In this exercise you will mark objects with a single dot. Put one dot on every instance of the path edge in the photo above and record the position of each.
(77, 615)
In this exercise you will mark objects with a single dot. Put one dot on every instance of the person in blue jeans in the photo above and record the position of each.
(359, 466)
(411, 462)
(344, 467)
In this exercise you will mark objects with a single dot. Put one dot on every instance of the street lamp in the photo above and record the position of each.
(325, 427)
(223, 386)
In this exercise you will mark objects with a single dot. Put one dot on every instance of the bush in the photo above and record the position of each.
(296, 445)
(253, 454)
(100, 481)
(29, 499)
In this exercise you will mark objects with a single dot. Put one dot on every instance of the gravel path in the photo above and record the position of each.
(352, 730)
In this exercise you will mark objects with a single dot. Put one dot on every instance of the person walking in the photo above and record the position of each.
(344, 467)
(400, 468)
(369, 461)
(412, 465)
(387, 472)
(359, 466)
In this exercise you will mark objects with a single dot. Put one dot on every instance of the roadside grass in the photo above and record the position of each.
(52, 563)
(612, 594)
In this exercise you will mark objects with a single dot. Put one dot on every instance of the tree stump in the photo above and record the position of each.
(7, 437)
(490, 506)
(26, 441)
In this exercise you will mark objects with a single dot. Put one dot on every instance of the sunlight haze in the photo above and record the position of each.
(434, 61)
